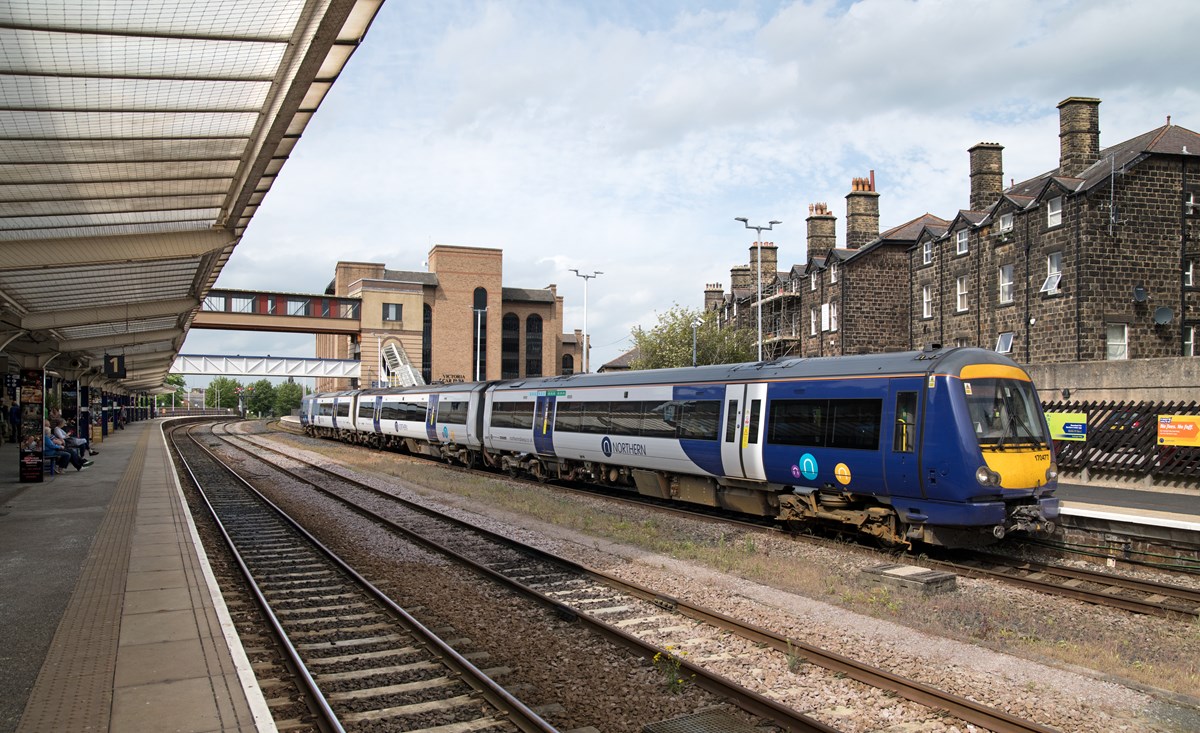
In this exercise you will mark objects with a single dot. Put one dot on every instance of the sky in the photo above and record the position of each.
(624, 137)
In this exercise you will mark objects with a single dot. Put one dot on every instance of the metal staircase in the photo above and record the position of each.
(398, 370)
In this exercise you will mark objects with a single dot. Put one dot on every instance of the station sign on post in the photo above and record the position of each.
(1067, 426)
(114, 366)
(1179, 430)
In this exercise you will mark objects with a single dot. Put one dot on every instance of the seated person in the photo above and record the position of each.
(51, 449)
(68, 438)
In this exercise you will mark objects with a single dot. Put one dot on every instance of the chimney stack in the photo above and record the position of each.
(770, 262)
(741, 278)
(862, 212)
(987, 174)
(714, 296)
(1078, 134)
(822, 230)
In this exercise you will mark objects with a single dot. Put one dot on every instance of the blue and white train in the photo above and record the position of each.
(946, 446)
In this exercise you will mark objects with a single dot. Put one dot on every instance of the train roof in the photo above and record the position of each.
(946, 360)
(942, 360)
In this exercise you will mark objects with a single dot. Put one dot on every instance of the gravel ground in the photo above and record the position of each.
(1069, 699)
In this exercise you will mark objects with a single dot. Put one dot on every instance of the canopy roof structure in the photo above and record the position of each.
(137, 139)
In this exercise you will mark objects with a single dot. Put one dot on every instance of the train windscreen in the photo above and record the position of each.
(1005, 413)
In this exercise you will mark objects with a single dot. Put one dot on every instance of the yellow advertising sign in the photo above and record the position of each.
(1067, 425)
(1179, 430)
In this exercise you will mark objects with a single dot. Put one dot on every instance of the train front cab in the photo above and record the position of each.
(985, 458)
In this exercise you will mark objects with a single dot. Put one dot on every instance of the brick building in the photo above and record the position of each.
(432, 322)
(1093, 260)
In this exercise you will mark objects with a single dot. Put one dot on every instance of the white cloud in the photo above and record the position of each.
(626, 137)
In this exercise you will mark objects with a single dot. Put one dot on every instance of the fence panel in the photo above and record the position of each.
(1122, 438)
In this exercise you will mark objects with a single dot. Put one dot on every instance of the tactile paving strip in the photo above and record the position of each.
(74, 688)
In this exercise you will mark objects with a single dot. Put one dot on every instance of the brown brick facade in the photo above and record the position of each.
(431, 317)
(1118, 226)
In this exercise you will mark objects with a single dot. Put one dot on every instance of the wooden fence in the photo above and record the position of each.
(1122, 439)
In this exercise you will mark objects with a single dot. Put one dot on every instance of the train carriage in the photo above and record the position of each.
(946, 446)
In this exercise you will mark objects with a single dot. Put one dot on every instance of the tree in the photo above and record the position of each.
(287, 398)
(260, 397)
(179, 394)
(669, 344)
(222, 392)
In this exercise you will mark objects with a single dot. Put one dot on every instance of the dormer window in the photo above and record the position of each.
(960, 242)
(812, 280)
(1054, 212)
(926, 252)
(833, 273)
(1006, 223)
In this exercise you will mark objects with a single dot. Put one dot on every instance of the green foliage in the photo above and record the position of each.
(260, 397)
(222, 392)
(287, 398)
(669, 343)
(176, 382)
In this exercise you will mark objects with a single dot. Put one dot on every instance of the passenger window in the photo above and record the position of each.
(755, 409)
(904, 438)
(731, 422)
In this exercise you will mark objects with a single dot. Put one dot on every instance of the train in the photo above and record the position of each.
(944, 446)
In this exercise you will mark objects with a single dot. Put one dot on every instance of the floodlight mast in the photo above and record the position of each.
(586, 346)
(758, 248)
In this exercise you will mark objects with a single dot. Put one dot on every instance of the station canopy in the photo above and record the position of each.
(137, 139)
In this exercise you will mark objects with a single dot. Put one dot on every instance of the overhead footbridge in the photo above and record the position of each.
(246, 310)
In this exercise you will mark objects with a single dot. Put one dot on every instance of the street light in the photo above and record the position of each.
(586, 346)
(695, 325)
(768, 227)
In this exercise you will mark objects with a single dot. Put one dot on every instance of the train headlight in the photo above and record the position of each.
(1052, 472)
(987, 477)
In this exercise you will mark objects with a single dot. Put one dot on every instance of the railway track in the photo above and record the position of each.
(361, 658)
(1094, 587)
(636, 616)
(1105, 589)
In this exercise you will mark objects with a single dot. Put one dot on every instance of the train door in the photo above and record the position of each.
(731, 437)
(741, 447)
(902, 450)
(376, 412)
(543, 425)
(431, 419)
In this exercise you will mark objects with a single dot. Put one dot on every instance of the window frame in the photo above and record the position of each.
(833, 316)
(1006, 343)
(1109, 343)
(833, 273)
(397, 311)
(962, 242)
(1008, 285)
(962, 303)
(927, 252)
(1189, 339)
(927, 301)
(812, 280)
(1005, 223)
(1054, 212)
(1189, 274)
(1050, 286)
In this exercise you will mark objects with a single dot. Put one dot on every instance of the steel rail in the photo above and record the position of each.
(517, 712)
(918, 692)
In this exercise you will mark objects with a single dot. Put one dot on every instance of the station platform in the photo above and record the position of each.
(110, 619)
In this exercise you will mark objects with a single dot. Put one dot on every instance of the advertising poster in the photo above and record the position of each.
(1179, 430)
(1067, 425)
(31, 396)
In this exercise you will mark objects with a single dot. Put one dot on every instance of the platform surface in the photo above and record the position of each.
(109, 620)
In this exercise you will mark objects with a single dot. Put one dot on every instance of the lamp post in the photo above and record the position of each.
(478, 336)
(758, 229)
(695, 324)
(586, 347)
